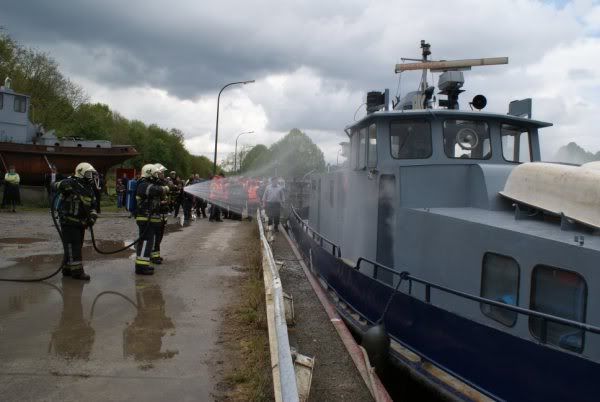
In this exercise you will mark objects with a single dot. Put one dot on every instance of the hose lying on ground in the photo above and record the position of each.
(55, 222)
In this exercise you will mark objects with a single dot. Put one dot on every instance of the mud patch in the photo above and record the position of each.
(20, 240)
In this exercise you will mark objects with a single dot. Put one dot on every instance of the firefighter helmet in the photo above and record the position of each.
(85, 170)
(150, 171)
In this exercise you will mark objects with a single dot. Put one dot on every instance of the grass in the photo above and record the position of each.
(251, 378)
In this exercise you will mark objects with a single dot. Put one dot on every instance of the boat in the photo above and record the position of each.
(446, 231)
(33, 151)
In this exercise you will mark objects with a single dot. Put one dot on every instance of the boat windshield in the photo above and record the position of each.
(515, 143)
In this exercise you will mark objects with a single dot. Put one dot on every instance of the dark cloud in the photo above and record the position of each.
(190, 47)
(336, 50)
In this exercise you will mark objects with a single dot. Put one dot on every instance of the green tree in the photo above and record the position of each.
(92, 121)
(295, 155)
(255, 159)
(59, 104)
(53, 97)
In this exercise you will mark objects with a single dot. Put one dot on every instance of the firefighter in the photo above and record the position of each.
(77, 211)
(148, 196)
(159, 228)
(215, 199)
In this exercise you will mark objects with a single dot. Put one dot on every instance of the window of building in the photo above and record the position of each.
(1, 101)
(467, 139)
(515, 143)
(372, 147)
(500, 282)
(20, 104)
(410, 139)
(362, 148)
(561, 293)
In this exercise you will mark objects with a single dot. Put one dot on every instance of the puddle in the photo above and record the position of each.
(20, 240)
(106, 245)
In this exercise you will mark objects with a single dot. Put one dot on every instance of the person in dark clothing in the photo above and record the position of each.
(237, 199)
(12, 195)
(77, 210)
(188, 201)
(272, 200)
(148, 214)
(159, 228)
(121, 192)
(176, 193)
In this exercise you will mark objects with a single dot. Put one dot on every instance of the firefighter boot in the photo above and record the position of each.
(144, 269)
(79, 273)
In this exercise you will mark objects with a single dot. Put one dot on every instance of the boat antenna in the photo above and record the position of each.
(425, 53)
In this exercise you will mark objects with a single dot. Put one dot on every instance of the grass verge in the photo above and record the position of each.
(248, 377)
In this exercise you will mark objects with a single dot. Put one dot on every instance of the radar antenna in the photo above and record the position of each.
(450, 82)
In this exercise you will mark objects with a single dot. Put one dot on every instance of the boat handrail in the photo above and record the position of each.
(336, 251)
(404, 275)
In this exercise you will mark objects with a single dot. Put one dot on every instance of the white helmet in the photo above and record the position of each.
(85, 170)
(150, 171)
(160, 167)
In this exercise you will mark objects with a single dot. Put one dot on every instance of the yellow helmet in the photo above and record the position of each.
(85, 170)
(150, 171)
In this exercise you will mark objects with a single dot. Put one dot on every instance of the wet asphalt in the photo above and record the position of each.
(120, 336)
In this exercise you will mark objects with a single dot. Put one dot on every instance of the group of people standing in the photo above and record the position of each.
(78, 205)
(229, 197)
(155, 195)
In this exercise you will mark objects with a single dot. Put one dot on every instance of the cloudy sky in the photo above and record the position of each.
(313, 61)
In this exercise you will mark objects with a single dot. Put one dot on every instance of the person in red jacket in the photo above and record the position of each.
(253, 199)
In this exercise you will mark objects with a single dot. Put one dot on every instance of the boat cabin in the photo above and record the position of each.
(14, 120)
(409, 138)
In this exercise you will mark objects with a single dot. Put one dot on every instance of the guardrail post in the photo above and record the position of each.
(427, 293)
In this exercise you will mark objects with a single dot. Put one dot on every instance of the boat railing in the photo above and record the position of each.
(316, 236)
(545, 318)
(406, 276)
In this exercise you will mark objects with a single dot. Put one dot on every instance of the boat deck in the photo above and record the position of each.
(547, 228)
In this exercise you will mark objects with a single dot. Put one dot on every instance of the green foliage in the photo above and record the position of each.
(256, 158)
(53, 97)
(292, 156)
(57, 103)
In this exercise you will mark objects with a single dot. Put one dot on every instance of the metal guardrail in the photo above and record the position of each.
(284, 376)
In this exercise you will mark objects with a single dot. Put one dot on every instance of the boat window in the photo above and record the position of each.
(372, 148)
(500, 282)
(561, 293)
(362, 148)
(515, 143)
(410, 139)
(20, 104)
(467, 139)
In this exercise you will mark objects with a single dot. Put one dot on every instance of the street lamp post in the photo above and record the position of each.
(217, 125)
(235, 153)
